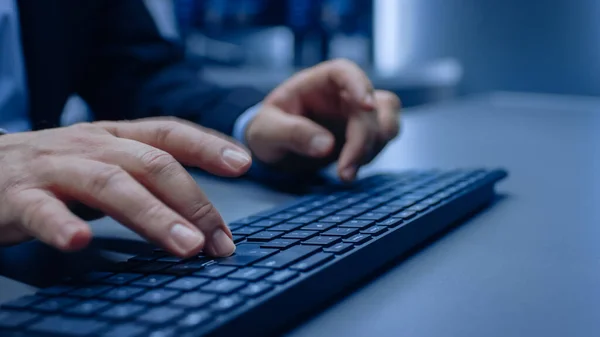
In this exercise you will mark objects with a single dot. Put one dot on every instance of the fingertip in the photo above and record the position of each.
(348, 174)
(238, 162)
(74, 237)
(321, 145)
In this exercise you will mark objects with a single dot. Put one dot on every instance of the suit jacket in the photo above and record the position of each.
(110, 53)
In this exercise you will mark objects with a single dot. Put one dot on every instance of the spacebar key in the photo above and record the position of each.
(246, 254)
(287, 257)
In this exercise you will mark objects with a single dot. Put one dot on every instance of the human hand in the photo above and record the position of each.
(325, 113)
(130, 171)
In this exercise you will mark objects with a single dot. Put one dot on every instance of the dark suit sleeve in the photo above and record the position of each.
(134, 72)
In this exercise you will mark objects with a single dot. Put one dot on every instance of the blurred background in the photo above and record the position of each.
(422, 49)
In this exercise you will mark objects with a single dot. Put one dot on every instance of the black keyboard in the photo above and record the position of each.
(289, 262)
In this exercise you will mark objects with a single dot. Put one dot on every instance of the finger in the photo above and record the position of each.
(48, 219)
(351, 81)
(113, 191)
(187, 144)
(280, 132)
(160, 173)
(361, 134)
(388, 115)
(337, 77)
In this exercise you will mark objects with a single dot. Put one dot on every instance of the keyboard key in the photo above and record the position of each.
(264, 236)
(354, 211)
(374, 216)
(56, 290)
(406, 214)
(335, 218)
(187, 283)
(152, 267)
(54, 304)
(287, 257)
(375, 230)
(358, 239)
(68, 326)
(215, 271)
(89, 292)
(195, 319)
(125, 330)
(339, 248)
(318, 226)
(286, 227)
(186, 268)
(23, 302)
(282, 216)
(256, 289)
(164, 332)
(319, 213)
(161, 315)
(171, 259)
(312, 262)
(122, 293)
(153, 281)
(250, 274)
(246, 230)
(157, 296)
(227, 303)
(93, 276)
(280, 243)
(266, 223)
(246, 220)
(387, 209)
(321, 240)
(282, 276)
(194, 299)
(87, 308)
(224, 286)
(390, 222)
(121, 279)
(361, 224)
(244, 258)
(15, 319)
(303, 219)
(300, 235)
(341, 231)
(238, 238)
(122, 311)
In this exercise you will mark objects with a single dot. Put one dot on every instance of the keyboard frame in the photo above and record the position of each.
(291, 303)
(263, 316)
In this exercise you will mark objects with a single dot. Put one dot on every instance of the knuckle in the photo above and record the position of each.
(157, 162)
(204, 213)
(343, 64)
(32, 212)
(164, 130)
(106, 177)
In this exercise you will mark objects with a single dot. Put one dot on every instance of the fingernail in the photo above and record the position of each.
(320, 144)
(236, 159)
(222, 244)
(185, 238)
(348, 173)
(66, 235)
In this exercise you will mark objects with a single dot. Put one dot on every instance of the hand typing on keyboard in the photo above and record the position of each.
(326, 113)
(128, 170)
(131, 171)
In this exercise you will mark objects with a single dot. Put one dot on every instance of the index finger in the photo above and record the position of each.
(342, 77)
(190, 146)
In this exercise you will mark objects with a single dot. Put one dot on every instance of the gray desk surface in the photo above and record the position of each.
(528, 266)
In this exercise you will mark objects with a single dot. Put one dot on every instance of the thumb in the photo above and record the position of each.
(275, 132)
